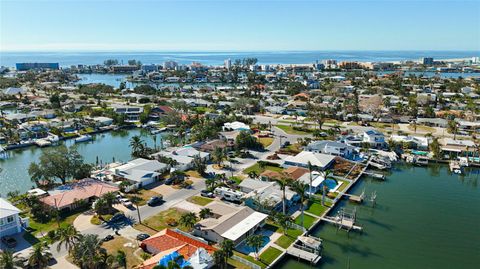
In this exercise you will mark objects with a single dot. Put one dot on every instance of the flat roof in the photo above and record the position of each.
(244, 226)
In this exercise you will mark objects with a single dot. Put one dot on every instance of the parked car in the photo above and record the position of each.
(206, 193)
(117, 217)
(126, 202)
(141, 237)
(155, 200)
(9, 241)
(108, 238)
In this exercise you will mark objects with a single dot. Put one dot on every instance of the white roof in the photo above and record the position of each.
(236, 125)
(200, 259)
(7, 209)
(316, 159)
(244, 226)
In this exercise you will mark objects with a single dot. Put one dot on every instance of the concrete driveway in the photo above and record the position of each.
(82, 222)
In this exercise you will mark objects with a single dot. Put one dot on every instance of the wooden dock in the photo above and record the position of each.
(303, 254)
(375, 175)
(347, 224)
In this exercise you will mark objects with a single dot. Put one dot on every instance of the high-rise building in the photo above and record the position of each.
(228, 64)
(427, 60)
(170, 65)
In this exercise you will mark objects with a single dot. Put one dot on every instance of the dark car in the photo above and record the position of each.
(108, 238)
(9, 241)
(117, 217)
(155, 200)
(141, 237)
(206, 193)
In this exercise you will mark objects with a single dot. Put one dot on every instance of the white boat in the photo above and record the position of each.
(83, 138)
(52, 138)
(157, 131)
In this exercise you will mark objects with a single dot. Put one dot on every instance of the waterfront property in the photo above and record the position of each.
(70, 196)
(229, 221)
(10, 221)
(319, 160)
(139, 172)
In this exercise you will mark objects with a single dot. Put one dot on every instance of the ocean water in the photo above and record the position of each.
(217, 58)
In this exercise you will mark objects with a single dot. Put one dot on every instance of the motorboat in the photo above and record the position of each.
(83, 138)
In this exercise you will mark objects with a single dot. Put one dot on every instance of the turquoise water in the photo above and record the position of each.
(424, 218)
(217, 58)
(106, 147)
(108, 79)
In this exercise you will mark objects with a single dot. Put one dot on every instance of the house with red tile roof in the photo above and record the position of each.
(167, 241)
(69, 195)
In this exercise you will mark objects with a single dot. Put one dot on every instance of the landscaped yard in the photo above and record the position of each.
(421, 128)
(270, 254)
(199, 200)
(192, 173)
(307, 220)
(249, 258)
(289, 130)
(265, 141)
(64, 220)
(256, 167)
(286, 240)
(119, 244)
(316, 208)
(144, 195)
(161, 221)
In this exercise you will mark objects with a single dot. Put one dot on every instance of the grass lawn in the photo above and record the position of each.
(421, 128)
(307, 220)
(143, 194)
(192, 173)
(289, 130)
(199, 200)
(382, 125)
(317, 208)
(265, 141)
(256, 167)
(65, 219)
(160, 221)
(118, 244)
(286, 240)
(236, 264)
(249, 258)
(270, 254)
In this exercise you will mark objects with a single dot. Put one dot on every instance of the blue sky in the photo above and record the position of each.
(229, 25)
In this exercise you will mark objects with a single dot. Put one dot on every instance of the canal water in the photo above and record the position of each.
(424, 218)
(105, 147)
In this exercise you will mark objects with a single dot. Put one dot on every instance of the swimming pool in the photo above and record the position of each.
(245, 249)
(330, 183)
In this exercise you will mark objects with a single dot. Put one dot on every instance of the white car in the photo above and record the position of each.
(126, 202)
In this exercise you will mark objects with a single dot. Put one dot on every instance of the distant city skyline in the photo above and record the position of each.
(275, 25)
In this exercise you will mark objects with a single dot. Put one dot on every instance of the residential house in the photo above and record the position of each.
(332, 148)
(140, 172)
(69, 196)
(375, 138)
(319, 160)
(167, 241)
(230, 222)
(10, 221)
(260, 193)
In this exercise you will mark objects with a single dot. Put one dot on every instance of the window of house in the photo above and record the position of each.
(9, 219)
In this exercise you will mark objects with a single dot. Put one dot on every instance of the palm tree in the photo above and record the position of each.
(205, 213)
(227, 247)
(283, 183)
(326, 174)
(301, 189)
(100, 206)
(310, 169)
(135, 200)
(256, 242)
(121, 259)
(87, 250)
(67, 236)
(219, 258)
(218, 155)
(284, 221)
(136, 144)
(110, 198)
(188, 220)
(10, 261)
(39, 256)
(210, 182)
